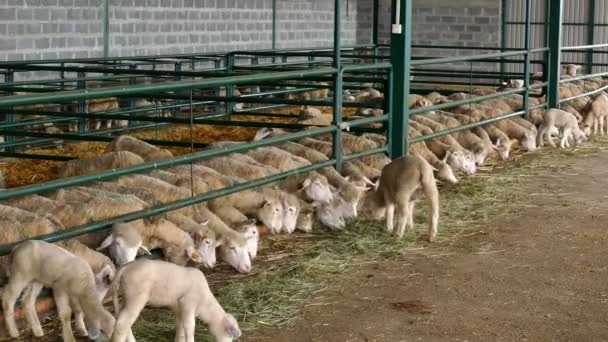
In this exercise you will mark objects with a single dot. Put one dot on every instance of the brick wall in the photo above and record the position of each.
(453, 22)
(37, 29)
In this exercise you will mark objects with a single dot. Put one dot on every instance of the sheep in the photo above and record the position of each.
(397, 189)
(572, 69)
(265, 205)
(147, 151)
(228, 165)
(106, 161)
(566, 122)
(371, 95)
(359, 144)
(234, 246)
(96, 106)
(595, 114)
(367, 112)
(311, 186)
(448, 149)
(513, 130)
(2, 181)
(419, 101)
(512, 84)
(481, 148)
(309, 113)
(144, 282)
(436, 98)
(69, 276)
(32, 203)
(443, 169)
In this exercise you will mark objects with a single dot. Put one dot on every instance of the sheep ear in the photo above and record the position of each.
(106, 275)
(445, 158)
(265, 204)
(306, 184)
(144, 250)
(106, 242)
(204, 223)
(194, 255)
(252, 221)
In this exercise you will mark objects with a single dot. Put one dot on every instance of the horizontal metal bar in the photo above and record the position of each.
(598, 90)
(10, 101)
(583, 47)
(358, 155)
(447, 60)
(35, 156)
(73, 181)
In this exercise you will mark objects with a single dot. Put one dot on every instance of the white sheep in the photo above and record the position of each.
(561, 120)
(397, 190)
(144, 282)
(595, 114)
(69, 276)
(147, 151)
(106, 161)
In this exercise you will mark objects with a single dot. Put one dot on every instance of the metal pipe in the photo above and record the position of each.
(337, 64)
(274, 24)
(591, 34)
(527, 38)
(106, 28)
(555, 41)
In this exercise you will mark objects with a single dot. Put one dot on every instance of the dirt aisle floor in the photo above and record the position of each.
(537, 272)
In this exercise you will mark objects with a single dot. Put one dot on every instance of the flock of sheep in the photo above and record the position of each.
(231, 226)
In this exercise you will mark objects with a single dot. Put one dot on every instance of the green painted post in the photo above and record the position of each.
(591, 34)
(274, 24)
(10, 115)
(401, 53)
(337, 63)
(555, 41)
(528, 56)
(106, 28)
(503, 36)
(375, 28)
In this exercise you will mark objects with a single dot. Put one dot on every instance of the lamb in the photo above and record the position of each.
(106, 161)
(513, 130)
(359, 144)
(237, 168)
(448, 149)
(572, 69)
(397, 189)
(595, 113)
(147, 151)
(69, 276)
(481, 148)
(144, 283)
(566, 122)
(96, 106)
(444, 171)
(310, 113)
(265, 205)
(419, 101)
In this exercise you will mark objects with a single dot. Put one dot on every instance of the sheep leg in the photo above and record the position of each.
(540, 137)
(565, 136)
(432, 194)
(10, 293)
(81, 328)
(127, 317)
(188, 324)
(410, 221)
(180, 333)
(602, 121)
(390, 217)
(97, 124)
(62, 300)
(29, 299)
(403, 207)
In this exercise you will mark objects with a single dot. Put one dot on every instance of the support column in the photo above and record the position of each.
(555, 43)
(527, 47)
(106, 28)
(401, 54)
(337, 63)
(591, 34)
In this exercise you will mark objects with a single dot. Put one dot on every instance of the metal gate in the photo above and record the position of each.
(584, 22)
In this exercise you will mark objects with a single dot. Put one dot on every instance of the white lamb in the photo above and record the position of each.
(70, 278)
(144, 282)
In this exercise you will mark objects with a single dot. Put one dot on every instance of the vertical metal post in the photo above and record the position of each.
(216, 105)
(230, 88)
(178, 102)
(591, 34)
(401, 54)
(132, 104)
(274, 24)
(528, 32)
(555, 41)
(503, 37)
(106, 28)
(375, 28)
(82, 107)
(337, 147)
(9, 77)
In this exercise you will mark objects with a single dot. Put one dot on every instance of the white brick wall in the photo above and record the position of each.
(43, 29)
